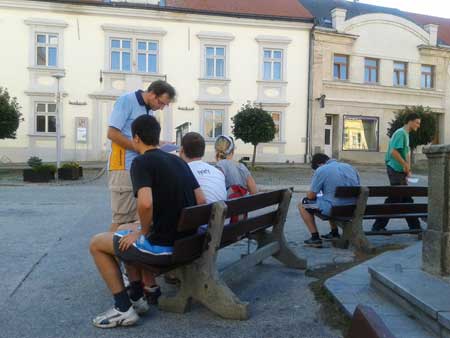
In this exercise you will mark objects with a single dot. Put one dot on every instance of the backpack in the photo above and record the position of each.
(236, 191)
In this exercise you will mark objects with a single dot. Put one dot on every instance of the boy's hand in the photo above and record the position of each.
(126, 241)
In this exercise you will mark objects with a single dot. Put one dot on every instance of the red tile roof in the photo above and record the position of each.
(444, 24)
(277, 8)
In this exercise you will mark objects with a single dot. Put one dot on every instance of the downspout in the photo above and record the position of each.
(308, 144)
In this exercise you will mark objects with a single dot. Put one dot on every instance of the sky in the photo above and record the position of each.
(439, 8)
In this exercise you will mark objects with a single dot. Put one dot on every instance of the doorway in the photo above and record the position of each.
(328, 140)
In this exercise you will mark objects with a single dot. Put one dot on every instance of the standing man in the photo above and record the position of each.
(126, 109)
(398, 165)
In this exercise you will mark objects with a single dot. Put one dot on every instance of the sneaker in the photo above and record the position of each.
(114, 317)
(331, 236)
(152, 294)
(140, 306)
(314, 242)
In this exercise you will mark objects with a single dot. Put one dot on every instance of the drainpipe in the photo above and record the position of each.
(308, 144)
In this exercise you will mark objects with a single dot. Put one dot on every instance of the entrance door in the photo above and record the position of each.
(328, 146)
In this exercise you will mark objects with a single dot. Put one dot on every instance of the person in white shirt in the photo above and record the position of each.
(210, 179)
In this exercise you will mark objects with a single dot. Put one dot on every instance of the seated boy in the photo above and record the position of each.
(163, 185)
(210, 179)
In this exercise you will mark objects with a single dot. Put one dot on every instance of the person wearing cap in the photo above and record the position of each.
(329, 174)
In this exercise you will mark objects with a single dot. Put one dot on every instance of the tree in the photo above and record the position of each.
(253, 125)
(424, 135)
(10, 115)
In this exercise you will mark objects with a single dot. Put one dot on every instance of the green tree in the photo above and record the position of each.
(10, 115)
(253, 125)
(424, 135)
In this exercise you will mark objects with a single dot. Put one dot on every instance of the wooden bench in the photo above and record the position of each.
(350, 217)
(195, 253)
(367, 324)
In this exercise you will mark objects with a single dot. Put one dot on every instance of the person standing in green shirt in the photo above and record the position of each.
(398, 165)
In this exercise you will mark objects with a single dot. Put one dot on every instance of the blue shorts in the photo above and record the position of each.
(142, 251)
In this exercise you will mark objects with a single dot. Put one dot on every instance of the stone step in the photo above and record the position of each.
(420, 294)
(352, 287)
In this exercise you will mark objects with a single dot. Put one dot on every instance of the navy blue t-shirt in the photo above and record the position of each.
(172, 184)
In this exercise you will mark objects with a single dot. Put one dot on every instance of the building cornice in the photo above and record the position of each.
(45, 22)
(156, 13)
(434, 51)
(382, 89)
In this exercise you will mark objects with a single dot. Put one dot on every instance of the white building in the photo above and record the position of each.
(217, 61)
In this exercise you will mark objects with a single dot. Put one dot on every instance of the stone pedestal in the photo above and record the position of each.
(436, 240)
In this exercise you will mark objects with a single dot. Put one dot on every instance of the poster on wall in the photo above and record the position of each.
(81, 125)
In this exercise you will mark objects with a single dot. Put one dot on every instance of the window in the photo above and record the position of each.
(360, 133)
(276, 117)
(400, 69)
(215, 61)
(147, 56)
(340, 67)
(45, 117)
(273, 60)
(46, 49)
(371, 71)
(121, 55)
(427, 78)
(213, 123)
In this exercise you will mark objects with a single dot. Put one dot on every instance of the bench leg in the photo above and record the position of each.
(208, 289)
(353, 234)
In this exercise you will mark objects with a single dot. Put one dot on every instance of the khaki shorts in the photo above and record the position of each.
(123, 202)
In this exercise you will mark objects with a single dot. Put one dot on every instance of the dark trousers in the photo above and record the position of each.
(397, 178)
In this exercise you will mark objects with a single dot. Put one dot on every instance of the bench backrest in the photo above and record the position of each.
(192, 244)
(388, 210)
(366, 323)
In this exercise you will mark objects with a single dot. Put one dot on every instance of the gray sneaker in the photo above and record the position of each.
(114, 317)
(140, 306)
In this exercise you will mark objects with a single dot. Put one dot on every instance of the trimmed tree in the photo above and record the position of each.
(253, 125)
(10, 115)
(424, 135)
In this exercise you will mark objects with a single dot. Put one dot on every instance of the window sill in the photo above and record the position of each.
(272, 81)
(214, 79)
(118, 72)
(45, 135)
(47, 69)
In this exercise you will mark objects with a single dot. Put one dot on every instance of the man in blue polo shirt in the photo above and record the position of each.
(126, 109)
(329, 174)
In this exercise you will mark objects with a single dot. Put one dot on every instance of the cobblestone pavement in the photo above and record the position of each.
(50, 287)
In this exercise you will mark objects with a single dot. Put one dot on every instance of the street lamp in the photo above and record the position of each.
(58, 76)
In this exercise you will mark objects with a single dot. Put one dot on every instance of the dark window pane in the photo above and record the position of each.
(327, 137)
(340, 59)
(343, 72)
(40, 124)
(51, 124)
(41, 56)
(336, 71)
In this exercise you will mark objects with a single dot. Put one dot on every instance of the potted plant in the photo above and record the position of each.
(39, 172)
(69, 171)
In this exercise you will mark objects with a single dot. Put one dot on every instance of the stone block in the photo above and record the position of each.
(436, 252)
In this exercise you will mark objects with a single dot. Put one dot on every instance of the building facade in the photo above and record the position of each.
(216, 59)
(369, 62)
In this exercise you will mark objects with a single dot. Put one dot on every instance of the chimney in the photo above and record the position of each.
(338, 17)
(432, 29)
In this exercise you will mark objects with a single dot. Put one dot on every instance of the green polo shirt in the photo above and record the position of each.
(400, 142)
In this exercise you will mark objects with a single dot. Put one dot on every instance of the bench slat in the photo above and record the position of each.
(387, 210)
(383, 191)
(191, 218)
(253, 202)
(233, 232)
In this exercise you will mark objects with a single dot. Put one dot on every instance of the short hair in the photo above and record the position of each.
(160, 87)
(318, 159)
(147, 128)
(193, 145)
(411, 117)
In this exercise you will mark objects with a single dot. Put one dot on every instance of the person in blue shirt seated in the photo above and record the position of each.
(329, 174)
